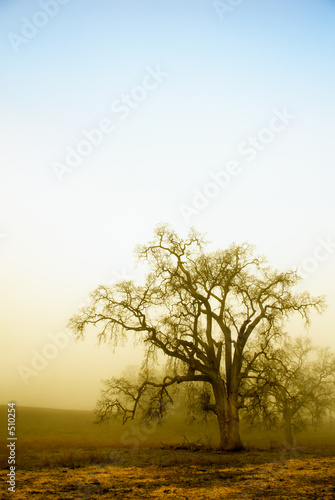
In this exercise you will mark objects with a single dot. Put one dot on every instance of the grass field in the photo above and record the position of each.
(62, 455)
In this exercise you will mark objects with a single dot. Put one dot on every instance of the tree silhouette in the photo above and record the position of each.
(296, 387)
(208, 316)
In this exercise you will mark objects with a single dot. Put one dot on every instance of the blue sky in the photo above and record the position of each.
(224, 80)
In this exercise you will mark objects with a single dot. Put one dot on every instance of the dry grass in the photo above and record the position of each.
(154, 473)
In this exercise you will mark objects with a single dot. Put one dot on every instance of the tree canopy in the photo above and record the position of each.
(211, 315)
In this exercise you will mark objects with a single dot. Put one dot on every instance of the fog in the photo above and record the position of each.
(201, 90)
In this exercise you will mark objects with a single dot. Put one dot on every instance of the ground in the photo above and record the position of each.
(172, 474)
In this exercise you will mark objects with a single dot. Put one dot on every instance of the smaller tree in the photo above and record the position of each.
(295, 387)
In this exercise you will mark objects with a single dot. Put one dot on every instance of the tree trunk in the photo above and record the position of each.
(288, 427)
(228, 420)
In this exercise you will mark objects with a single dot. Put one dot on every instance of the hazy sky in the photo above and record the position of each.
(213, 114)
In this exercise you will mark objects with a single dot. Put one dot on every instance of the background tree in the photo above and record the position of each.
(210, 315)
(295, 387)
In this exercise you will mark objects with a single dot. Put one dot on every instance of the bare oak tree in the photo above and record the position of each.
(295, 387)
(210, 315)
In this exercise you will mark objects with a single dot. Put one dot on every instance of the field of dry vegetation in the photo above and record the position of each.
(62, 455)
